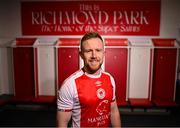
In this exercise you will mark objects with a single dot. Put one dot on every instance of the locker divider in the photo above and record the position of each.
(140, 73)
(45, 89)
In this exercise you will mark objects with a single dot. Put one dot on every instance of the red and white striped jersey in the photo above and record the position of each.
(88, 97)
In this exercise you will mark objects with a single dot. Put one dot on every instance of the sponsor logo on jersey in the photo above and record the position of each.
(102, 107)
(98, 83)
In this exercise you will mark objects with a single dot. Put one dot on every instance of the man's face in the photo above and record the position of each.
(92, 54)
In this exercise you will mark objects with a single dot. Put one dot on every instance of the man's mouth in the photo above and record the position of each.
(94, 62)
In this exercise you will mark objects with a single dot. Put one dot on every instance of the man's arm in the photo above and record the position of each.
(63, 118)
(115, 115)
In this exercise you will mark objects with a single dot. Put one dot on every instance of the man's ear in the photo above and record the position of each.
(81, 54)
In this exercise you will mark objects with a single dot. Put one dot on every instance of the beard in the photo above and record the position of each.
(92, 69)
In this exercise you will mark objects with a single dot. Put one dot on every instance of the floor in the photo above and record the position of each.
(45, 116)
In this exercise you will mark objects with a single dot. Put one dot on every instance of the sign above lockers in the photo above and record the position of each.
(130, 17)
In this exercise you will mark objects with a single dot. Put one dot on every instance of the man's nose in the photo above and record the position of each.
(93, 53)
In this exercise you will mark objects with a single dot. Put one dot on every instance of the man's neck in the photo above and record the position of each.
(92, 73)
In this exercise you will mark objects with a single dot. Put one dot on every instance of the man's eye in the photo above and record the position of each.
(99, 50)
(87, 51)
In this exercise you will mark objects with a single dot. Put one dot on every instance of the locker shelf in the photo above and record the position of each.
(44, 99)
(22, 99)
(140, 102)
(2, 102)
(122, 103)
(164, 103)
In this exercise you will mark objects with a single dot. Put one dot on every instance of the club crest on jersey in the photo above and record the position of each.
(100, 93)
(98, 83)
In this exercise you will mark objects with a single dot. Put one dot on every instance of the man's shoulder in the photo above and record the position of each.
(73, 76)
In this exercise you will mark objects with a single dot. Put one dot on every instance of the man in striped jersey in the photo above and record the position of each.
(88, 95)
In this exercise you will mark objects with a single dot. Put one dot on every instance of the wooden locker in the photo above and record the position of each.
(164, 73)
(23, 61)
(116, 63)
(67, 58)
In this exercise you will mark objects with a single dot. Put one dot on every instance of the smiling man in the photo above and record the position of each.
(92, 53)
(88, 95)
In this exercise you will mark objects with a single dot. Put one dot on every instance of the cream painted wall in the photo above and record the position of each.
(10, 28)
(170, 19)
(10, 23)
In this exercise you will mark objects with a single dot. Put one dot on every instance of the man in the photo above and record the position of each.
(88, 95)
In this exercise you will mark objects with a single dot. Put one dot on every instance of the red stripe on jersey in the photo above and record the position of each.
(65, 110)
(95, 97)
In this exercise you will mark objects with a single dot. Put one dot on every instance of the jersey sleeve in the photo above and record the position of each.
(114, 87)
(65, 97)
